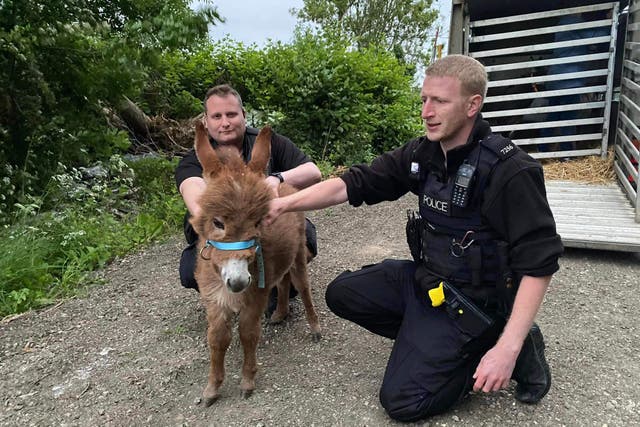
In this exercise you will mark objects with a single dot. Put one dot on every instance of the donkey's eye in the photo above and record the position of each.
(258, 223)
(218, 224)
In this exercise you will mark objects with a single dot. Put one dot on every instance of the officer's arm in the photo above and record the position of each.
(321, 195)
(495, 369)
(525, 307)
(301, 176)
(191, 189)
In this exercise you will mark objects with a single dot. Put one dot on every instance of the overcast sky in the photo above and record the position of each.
(255, 21)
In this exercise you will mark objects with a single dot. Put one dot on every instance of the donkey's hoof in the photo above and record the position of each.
(277, 318)
(247, 393)
(210, 395)
(208, 401)
(316, 336)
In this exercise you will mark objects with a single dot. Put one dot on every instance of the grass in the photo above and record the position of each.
(49, 256)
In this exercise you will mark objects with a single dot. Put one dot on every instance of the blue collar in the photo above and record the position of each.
(238, 246)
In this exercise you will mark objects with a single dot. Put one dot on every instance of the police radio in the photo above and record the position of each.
(462, 185)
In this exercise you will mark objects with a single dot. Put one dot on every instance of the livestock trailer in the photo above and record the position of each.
(564, 82)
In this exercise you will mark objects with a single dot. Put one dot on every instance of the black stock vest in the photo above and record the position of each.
(456, 244)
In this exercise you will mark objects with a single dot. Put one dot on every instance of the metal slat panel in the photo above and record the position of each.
(545, 62)
(628, 144)
(633, 27)
(574, 190)
(549, 77)
(581, 189)
(608, 97)
(538, 47)
(603, 207)
(556, 139)
(602, 214)
(629, 168)
(632, 45)
(631, 85)
(547, 93)
(542, 30)
(630, 124)
(631, 65)
(626, 127)
(539, 110)
(633, 196)
(541, 125)
(628, 235)
(593, 216)
(540, 15)
(630, 104)
(562, 154)
(595, 203)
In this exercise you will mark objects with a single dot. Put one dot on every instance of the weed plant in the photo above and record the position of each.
(85, 219)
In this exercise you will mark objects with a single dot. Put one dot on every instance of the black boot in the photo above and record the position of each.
(273, 300)
(532, 371)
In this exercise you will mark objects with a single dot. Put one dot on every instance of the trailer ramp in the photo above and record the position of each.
(594, 216)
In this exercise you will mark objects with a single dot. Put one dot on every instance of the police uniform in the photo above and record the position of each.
(284, 156)
(504, 230)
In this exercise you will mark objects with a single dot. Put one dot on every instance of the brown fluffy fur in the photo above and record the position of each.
(237, 196)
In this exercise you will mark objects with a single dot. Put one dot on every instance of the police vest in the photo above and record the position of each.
(456, 244)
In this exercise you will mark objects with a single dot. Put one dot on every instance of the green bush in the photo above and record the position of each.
(339, 105)
(48, 256)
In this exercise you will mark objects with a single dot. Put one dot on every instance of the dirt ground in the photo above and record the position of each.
(132, 351)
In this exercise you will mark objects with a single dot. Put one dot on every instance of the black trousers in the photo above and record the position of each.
(190, 253)
(429, 369)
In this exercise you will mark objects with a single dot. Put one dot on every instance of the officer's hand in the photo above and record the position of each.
(273, 183)
(494, 370)
(276, 207)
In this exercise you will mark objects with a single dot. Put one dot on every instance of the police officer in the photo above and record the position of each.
(486, 230)
(225, 122)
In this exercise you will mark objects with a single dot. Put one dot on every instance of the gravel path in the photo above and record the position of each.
(132, 352)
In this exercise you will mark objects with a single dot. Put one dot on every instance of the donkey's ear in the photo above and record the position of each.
(207, 156)
(261, 151)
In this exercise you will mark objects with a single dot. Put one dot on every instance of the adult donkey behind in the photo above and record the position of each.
(240, 259)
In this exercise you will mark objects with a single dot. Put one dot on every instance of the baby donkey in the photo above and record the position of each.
(241, 259)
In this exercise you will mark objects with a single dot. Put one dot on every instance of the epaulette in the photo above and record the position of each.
(502, 147)
(252, 131)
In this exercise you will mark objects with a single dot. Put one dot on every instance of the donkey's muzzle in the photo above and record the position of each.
(235, 275)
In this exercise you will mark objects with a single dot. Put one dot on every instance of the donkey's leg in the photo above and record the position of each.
(300, 280)
(249, 326)
(282, 309)
(219, 337)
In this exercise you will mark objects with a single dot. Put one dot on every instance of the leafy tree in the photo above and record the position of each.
(63, 63)
(400, 26)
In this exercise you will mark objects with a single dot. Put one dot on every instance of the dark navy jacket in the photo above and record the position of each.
(513, 204)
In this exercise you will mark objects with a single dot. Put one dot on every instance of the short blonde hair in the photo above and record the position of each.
(471, 73)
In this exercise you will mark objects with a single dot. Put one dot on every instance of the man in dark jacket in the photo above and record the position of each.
(486, 246)
(225, 122)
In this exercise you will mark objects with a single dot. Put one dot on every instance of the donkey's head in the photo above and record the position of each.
(233, 205)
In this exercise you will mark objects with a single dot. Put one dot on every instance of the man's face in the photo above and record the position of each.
(225, 120)
(445, 110)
